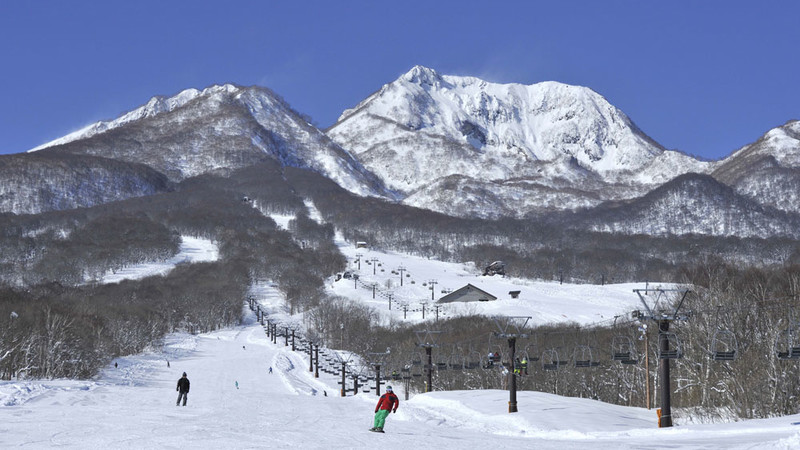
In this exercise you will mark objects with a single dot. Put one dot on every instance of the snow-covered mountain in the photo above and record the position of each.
(425, 133)
(692, 204)
(458, 145)
(218, 129)
(768, 170)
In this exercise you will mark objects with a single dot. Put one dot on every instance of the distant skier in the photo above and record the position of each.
(388, 402)
(183, 389)
(237, 385)
(270, 370)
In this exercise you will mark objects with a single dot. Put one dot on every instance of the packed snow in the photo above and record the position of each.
(234, 402)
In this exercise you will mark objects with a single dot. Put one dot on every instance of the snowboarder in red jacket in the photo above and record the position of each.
(388, 402)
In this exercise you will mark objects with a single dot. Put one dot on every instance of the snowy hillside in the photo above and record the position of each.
(156, 105)
(426, 281)
(768, 170)
(374, 277)
(234, 402)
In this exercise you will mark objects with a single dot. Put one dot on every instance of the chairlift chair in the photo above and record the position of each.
(675, 347)
(787, 345)
(622, 348)
(724, 346)
(473, 360)
(550, 359)
(530, 354)
(582, 357)
(457, 361)
(496, 351)
(416, 368)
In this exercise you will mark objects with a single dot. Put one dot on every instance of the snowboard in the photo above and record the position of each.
(375, 431)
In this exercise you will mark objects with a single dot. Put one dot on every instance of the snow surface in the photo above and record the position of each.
(132, 406)
(192, 250)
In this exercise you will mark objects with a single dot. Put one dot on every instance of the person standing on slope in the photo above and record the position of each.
(388, 402)
(183, 389)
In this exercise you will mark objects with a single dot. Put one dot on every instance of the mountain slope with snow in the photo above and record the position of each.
(39, 182)
(768, 170)
(215, 130)
(425, 127)
(692, 204)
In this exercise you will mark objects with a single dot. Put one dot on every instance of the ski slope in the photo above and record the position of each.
(132, 406)
(425, 281)
(192, 250)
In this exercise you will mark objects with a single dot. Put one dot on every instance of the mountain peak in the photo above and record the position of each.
(502, 130)
(156, 105)
(422, 75)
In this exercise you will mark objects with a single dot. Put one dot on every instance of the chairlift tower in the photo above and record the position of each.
(512, 328)
(428, 339)
(662, 313)
(433, 284)
(374, 262)
(377, 360)
(400, 270)
(344, 359)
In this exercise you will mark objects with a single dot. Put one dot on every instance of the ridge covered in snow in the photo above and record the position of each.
(425, 127)
(217, 129)
(154, 106)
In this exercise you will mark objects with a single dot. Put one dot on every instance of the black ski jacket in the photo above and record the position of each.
(183, 385)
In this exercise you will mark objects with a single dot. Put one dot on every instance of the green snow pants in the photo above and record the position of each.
(380, 417)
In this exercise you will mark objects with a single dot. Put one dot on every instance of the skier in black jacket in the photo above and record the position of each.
(183, 389)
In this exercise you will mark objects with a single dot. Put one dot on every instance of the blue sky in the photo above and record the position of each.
(703, 77)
